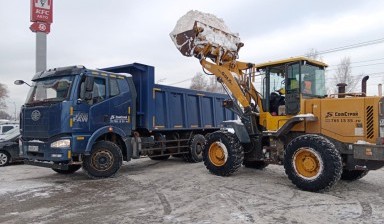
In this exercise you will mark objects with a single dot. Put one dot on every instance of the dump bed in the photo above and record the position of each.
(161, 107)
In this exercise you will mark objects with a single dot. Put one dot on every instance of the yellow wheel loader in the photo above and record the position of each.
(291, 121)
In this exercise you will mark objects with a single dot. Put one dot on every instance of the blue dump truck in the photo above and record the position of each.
(76, 117)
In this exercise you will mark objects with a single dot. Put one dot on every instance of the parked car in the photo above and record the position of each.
(9, 147)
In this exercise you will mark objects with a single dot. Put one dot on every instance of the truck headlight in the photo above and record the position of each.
(64, 143)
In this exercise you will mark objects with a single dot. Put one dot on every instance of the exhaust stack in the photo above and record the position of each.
(341, 89)
(364, 85)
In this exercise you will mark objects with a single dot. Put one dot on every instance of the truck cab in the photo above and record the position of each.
(69, 108)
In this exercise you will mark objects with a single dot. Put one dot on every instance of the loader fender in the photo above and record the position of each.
(240, 130)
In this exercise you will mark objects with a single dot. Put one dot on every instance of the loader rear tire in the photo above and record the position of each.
(352, 175)
(312, 163)
(195, 154)
(71, 169)
(223, 154)
(104, 161)
(259, 165)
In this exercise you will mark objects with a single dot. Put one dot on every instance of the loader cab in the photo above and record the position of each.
(284, 83)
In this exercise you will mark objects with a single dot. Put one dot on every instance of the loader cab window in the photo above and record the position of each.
(313, 81)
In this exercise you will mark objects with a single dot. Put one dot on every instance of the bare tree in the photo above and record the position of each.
(344, 75)
(214, 86)
(5, 115)
(313, 54)
(199, 82)
(3, 96)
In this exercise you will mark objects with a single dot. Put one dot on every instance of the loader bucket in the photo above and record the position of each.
(203, 40)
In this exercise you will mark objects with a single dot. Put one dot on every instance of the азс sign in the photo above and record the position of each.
(41, 11)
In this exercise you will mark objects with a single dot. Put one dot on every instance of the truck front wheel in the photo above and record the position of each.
(223, 154)
(104, 161)
(312, 163)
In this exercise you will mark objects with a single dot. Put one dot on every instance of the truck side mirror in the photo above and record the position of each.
(89, 84)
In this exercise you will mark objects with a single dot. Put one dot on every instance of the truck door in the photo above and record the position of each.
(92, 109)
(120, 104)
(292, 86)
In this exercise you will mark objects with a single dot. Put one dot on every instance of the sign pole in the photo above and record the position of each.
(41, 51)
(41, 18)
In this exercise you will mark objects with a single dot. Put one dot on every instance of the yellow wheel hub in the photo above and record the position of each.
(218, 154)
(307, 163)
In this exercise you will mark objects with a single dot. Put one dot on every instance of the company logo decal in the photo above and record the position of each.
(35, 115)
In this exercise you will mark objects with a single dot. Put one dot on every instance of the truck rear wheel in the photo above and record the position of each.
(71, 169)
(351, 175)
(312, 163)
(223, 154)
(255, 164)
(104, 161)
(195, 154)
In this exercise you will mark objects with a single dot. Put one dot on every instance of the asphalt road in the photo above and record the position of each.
(146, 191)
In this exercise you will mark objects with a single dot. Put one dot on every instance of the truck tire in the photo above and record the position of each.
(71, 169)
(259, 165)
(352, 175)
(4, 158)
(104, 161)
(223, 154)
(195, 154)
(312, 163)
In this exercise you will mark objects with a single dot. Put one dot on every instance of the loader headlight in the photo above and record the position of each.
(64, 143)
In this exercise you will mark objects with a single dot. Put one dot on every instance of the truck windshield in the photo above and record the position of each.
(54, 89)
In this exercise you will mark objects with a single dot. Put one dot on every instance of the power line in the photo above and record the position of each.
(347, 47)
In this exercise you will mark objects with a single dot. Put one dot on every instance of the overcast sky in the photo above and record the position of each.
(98, 34)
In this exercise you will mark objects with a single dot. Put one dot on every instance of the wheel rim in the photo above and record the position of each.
(199, 149)
(308, 163)
(102, 160)
(3, 159)
(218, 153)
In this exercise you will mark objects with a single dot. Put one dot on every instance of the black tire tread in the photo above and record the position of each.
(331, 159)
(94, 174)
(235, 153)
(191, 156)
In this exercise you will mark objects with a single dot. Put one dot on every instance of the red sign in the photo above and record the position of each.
(40, 27)
(41, 11)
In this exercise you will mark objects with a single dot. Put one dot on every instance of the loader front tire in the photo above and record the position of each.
(104, 161)
(223, 153)
(312, 163)
(352, 175)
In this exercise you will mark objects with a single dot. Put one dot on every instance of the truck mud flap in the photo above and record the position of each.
(368, 152)
(46, 164)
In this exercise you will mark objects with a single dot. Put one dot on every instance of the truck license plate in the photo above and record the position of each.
(33, 148)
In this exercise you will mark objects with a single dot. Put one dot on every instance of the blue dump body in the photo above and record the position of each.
(161, 107)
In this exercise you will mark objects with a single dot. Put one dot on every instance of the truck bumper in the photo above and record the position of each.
(61, 166)
(42, 151)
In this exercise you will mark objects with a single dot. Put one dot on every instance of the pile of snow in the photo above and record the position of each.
(212, 27)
